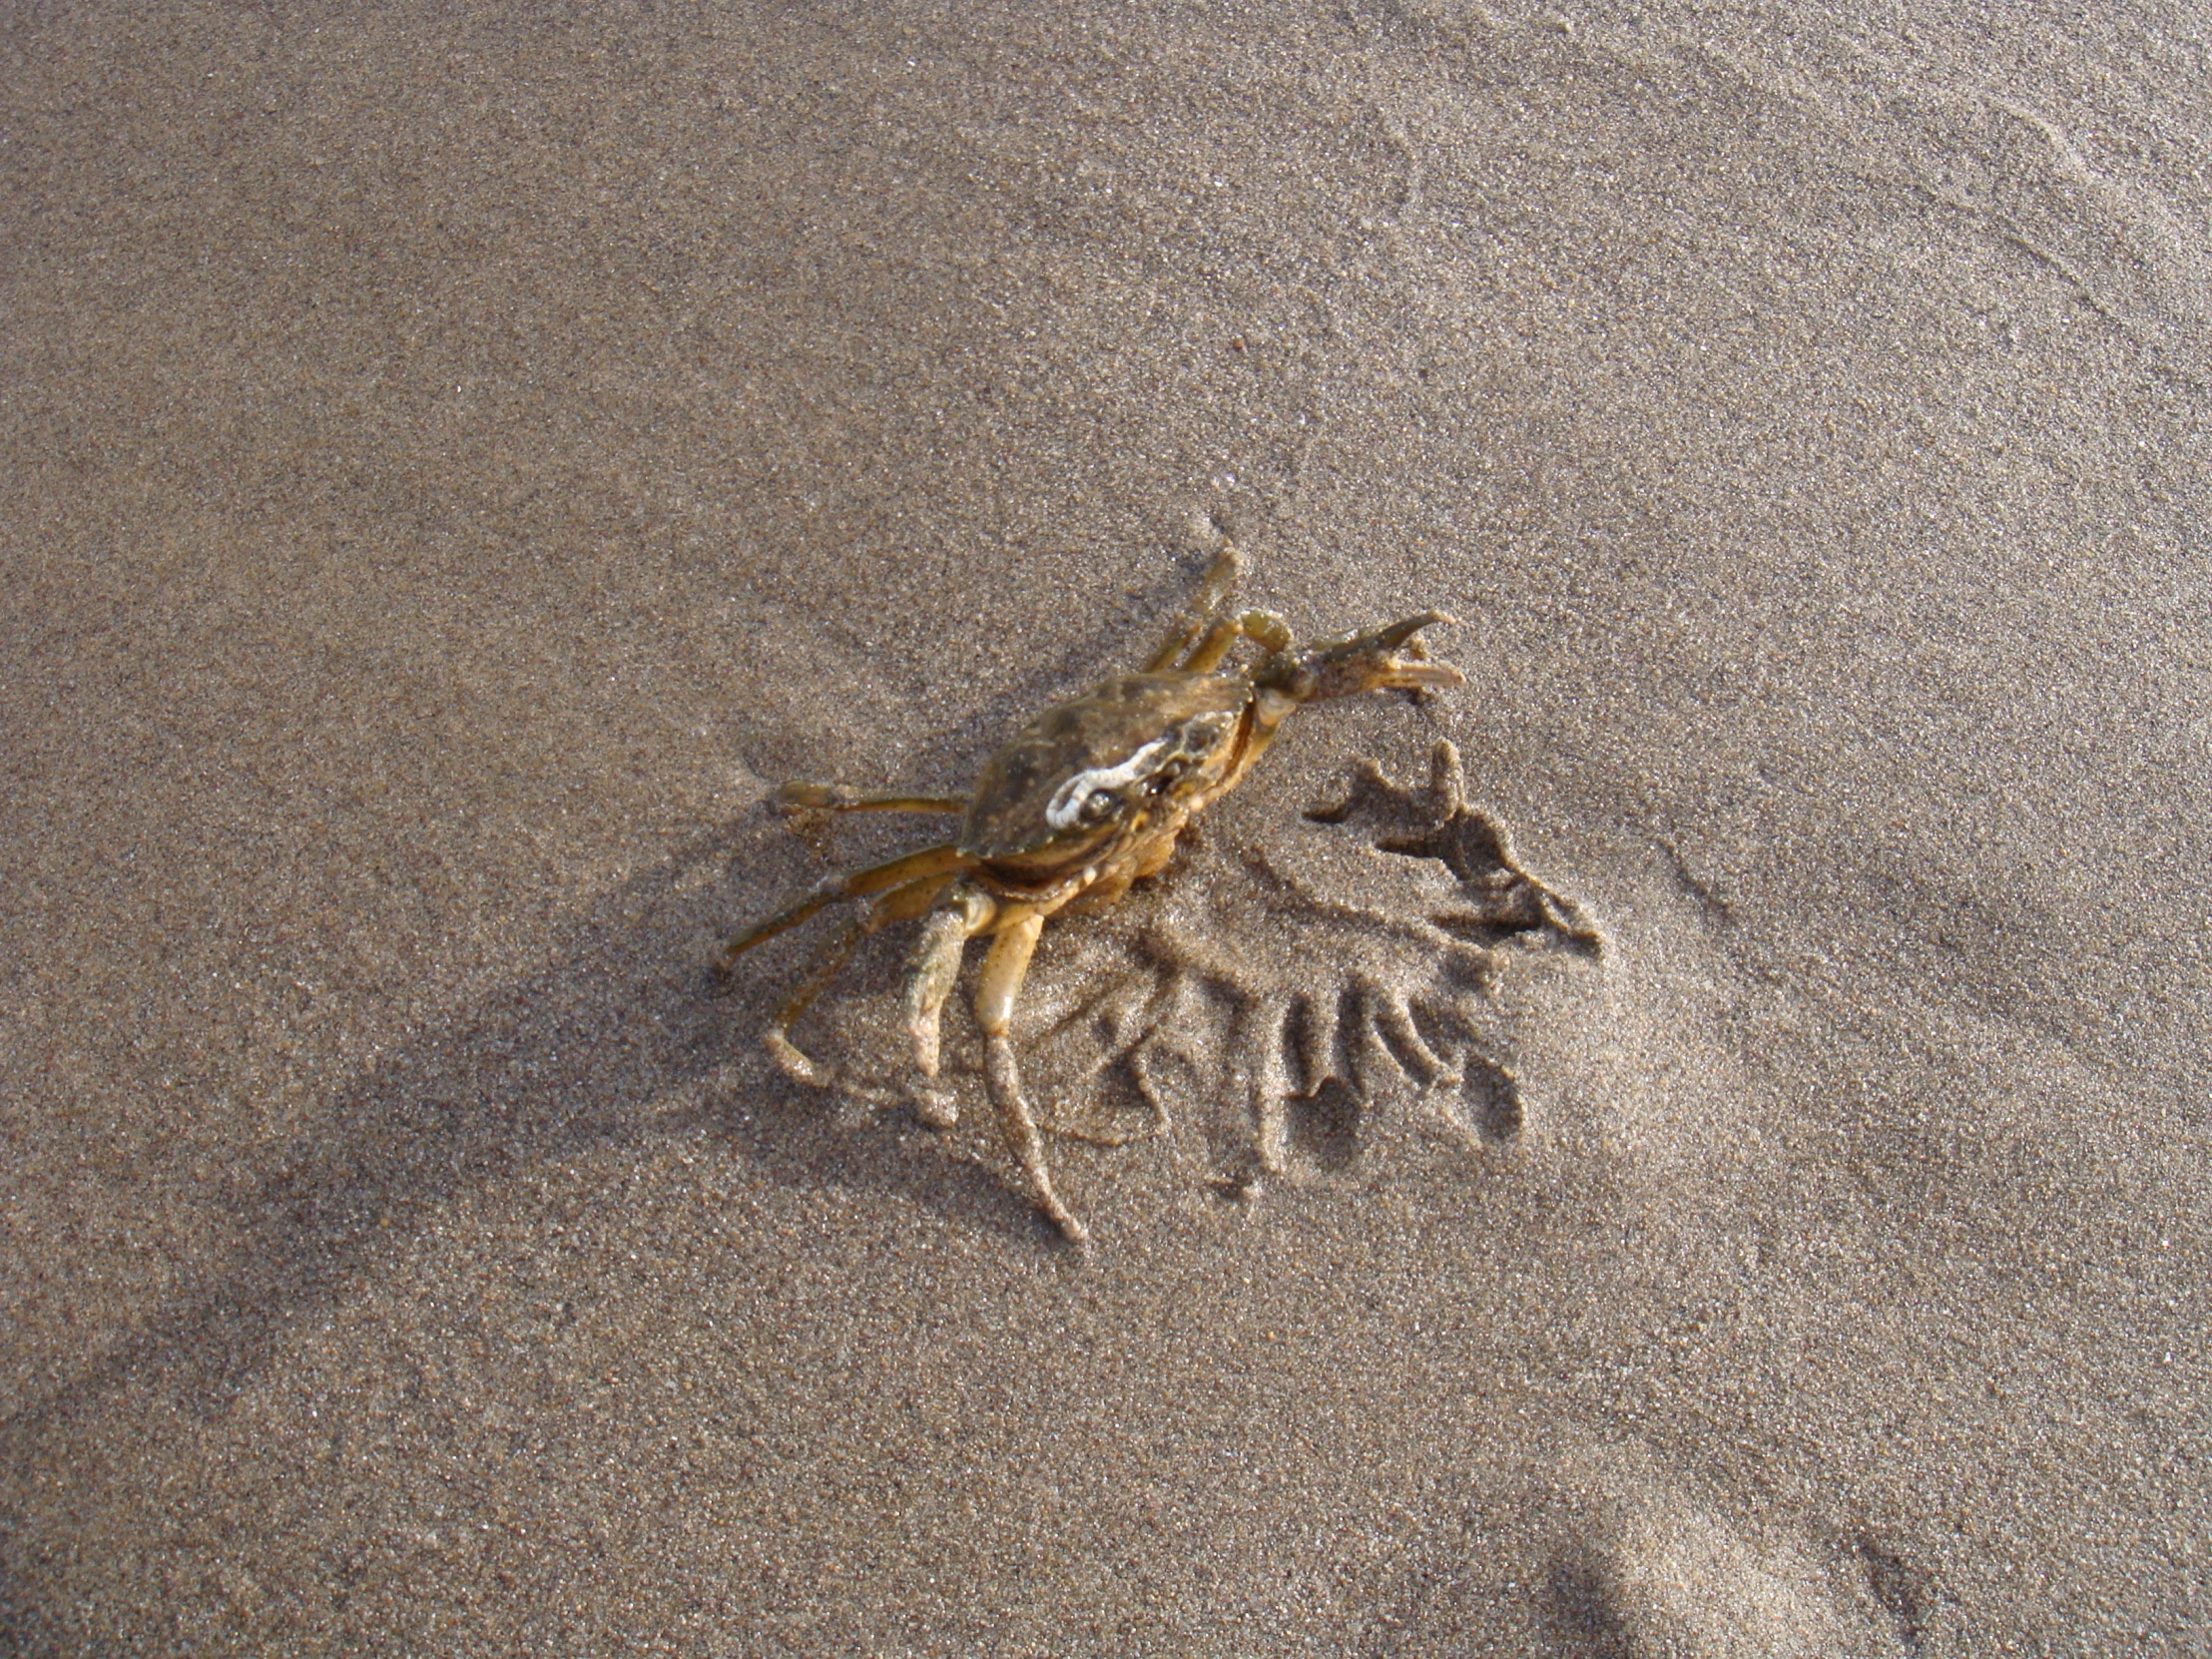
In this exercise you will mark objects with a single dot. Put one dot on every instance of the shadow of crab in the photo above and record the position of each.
(1291, 979)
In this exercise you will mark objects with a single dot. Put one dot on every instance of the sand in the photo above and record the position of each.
(455, 462)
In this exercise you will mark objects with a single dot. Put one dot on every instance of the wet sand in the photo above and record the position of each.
(453, 465)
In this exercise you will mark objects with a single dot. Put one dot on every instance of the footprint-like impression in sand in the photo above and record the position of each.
(1297, 989)
(1306, 973)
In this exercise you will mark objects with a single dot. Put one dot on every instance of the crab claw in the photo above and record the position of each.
(1388, 659)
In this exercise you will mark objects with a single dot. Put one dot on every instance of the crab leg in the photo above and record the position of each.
(1003, 969)
(1213, 593)
(828, 963)
(902, 904)
(938, 969)
(910, 867)
(836, 797)
(1263, 628)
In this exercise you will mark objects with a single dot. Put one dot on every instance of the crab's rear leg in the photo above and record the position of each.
(810, 808)
(826, 967)
(929, 862)
(1264, 628)
(1213, 593)
(902, 904)
(837, 797)
(1003, 970)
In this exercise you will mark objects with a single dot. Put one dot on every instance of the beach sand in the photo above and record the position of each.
(454, 463)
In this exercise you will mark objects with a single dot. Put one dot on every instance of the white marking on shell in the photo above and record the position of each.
(1067, 801)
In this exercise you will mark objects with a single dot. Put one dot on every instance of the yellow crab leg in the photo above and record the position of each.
(825, 967)
(892, 872)
(1213, 593)
(1262, 627)
(836, 797)
(937, 968)
(1003, 970)
(899, 904)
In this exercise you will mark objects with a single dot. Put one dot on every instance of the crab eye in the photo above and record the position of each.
(1097, 807)
(1168, 775)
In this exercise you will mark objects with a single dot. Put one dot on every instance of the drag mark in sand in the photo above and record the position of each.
(1311, 976)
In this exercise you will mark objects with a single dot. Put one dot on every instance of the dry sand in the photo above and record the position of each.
(456, 461)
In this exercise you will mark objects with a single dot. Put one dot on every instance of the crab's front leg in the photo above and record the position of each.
(1003, 970)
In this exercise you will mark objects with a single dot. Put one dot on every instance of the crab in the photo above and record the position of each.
(1086, 799)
